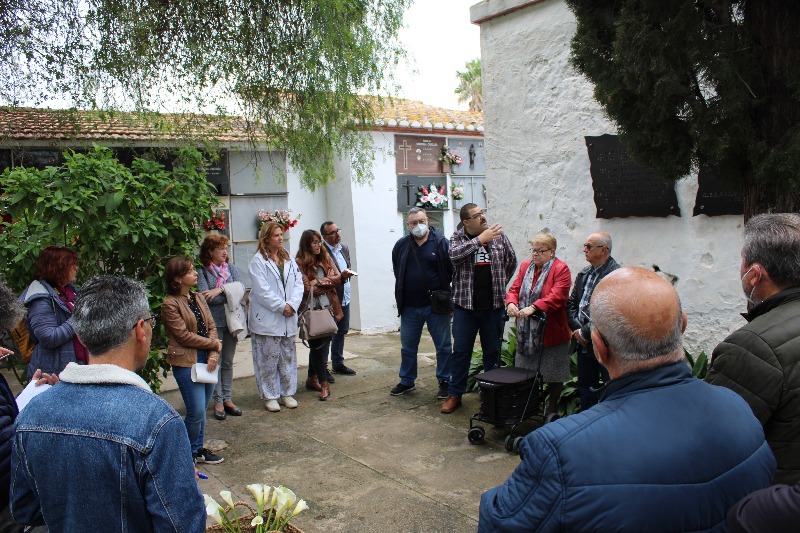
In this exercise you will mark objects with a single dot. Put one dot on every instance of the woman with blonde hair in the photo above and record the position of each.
(320, 277)
(276, 295)
(542, 286)
(211, 281)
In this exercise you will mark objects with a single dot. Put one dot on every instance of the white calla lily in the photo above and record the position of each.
(226, 495)
(299, 508)
(282, 503)
(257, 490)
(290, 493)
(212, 510)
(257, 521)
(274, 500)
(208, 499)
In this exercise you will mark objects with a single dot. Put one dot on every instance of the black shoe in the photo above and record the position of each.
(443, 388)
(344, 370)
(233, 411)
(205, 456)
(329, 376)
(401, 389)
(220, 415)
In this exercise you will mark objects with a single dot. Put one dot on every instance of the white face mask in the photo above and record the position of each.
(419, 230)
(750, 302)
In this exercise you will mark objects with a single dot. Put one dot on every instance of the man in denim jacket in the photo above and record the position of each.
(100, 451)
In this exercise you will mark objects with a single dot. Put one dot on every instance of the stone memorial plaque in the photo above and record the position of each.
(474, 190)
(473, 156)
(244, 223)
(409, 186)
(217, 174)
(717, 196)
(417, 155)
(624, 188)
(257, 173)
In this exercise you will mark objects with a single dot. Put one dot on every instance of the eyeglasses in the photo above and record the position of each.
(476, 216)
(334, 232)
(151, 319)
(589, 246)
(540, 252)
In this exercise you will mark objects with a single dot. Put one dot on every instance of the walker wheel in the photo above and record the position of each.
(476, 435)
(515, 445)
(509, 443)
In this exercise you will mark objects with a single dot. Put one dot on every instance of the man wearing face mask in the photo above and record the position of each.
(761, 360)
(421, 264)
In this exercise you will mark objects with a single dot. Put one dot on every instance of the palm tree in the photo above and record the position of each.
(470, 88)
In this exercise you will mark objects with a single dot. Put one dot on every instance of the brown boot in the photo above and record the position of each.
(312, 383)
(451, 404)
(325, 391)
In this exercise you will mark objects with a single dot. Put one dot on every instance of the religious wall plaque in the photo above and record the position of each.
(473, 155)
(418, 154)
(408, 188)
(624, 188)
(717, 196)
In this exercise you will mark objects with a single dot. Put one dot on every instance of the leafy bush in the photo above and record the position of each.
(124, 221)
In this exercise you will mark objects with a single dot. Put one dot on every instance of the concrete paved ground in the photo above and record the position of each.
(364, 461)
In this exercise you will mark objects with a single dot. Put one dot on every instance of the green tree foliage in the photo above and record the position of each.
(470, 85)
(694, 82)
(125, 221)
(291, 68)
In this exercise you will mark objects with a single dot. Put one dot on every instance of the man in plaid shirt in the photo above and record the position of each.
(483, 262)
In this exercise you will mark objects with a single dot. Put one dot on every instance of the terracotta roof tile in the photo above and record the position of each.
(28, 124)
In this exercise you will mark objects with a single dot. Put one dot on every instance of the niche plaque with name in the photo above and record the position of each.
(418, 155)
(623, 187)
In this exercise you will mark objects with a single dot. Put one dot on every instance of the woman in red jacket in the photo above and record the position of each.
(542, 285)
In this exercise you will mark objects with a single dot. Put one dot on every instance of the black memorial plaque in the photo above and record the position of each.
(217, 174)
(624, 188)
(418, 155)
(717, 196)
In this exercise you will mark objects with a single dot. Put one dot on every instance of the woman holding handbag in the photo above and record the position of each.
(192, 339)
(216, 273)
(274, 300)
(320, 278)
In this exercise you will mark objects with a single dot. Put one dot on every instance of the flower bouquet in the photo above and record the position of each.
(449, 157)
(217, 221)
(275, 507)
(282, 217)
(457, 191)
(431, 197)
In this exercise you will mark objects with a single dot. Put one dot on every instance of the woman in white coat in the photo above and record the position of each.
(274, 299)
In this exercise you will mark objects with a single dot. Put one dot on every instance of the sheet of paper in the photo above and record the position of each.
(29, 392)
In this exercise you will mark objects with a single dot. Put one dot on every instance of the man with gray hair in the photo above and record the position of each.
(100, 450)
(761, 360)
(422, 271)
(581, 473)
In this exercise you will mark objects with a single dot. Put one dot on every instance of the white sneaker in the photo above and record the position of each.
(272, 406)
(288, 401)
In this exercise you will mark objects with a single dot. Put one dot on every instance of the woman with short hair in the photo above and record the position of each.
(542, 285)
(211, 280)
(193, 339)
(50, 299)
(274, 300)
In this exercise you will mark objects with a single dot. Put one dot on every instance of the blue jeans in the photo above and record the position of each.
(589, 374)
(196, 397)
(411, 321)
(337, 341)
(466, 325)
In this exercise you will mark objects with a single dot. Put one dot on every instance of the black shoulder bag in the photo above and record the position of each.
(441, 301)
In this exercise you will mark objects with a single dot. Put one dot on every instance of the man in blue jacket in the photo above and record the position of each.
(421, 264)
(661, 451)
(100, 451)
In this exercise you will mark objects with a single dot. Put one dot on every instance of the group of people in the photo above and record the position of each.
(651, 449)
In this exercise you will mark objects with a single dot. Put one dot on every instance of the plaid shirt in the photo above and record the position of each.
(462, 255)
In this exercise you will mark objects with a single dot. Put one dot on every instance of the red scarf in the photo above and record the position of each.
(67, 296)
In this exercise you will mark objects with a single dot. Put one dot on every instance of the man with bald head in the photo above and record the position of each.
(597, 250)
(661, 451)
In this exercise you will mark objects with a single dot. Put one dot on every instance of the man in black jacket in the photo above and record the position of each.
(421, 263)
(597, 250)
(761, 360)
